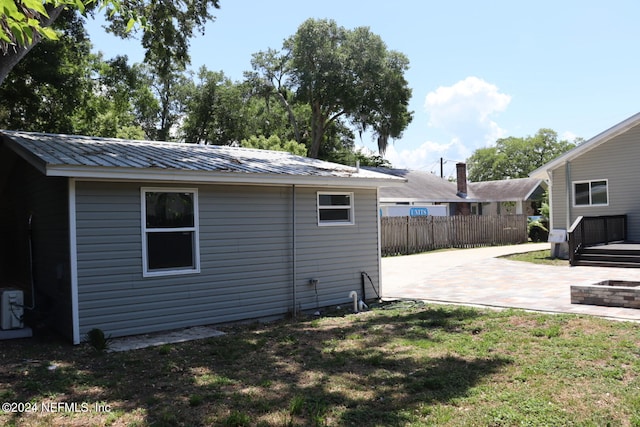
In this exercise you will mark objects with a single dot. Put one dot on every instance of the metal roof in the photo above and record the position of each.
(109, 158)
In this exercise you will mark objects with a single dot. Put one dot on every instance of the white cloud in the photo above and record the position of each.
(464, 115)
(465, 110)
(568, 136)
(424, 157)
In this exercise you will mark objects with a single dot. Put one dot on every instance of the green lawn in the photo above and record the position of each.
(538, 257)
(404, 364)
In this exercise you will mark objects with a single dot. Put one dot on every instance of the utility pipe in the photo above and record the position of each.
(354, 296)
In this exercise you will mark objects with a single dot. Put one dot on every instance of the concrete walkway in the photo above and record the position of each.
(478, 277)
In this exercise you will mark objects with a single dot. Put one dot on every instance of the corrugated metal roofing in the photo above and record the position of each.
(63, 154)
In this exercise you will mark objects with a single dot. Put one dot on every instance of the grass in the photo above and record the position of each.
(538, 257)
(401, 364)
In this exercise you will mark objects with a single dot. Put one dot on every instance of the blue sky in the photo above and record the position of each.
(478, 70)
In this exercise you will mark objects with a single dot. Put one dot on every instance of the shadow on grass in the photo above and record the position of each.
(357, 370)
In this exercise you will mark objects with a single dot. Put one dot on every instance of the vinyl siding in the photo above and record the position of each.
(246, 264)
(559, 208)
(336, 255)
(616, 161)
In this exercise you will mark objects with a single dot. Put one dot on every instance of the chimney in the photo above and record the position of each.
(461, 169)
(463, 208)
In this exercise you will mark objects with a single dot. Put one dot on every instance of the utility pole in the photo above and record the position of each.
(441, 167)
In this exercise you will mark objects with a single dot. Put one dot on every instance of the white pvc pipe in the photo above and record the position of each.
(354, 295)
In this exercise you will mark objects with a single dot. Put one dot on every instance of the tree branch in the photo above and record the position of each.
(12, 57)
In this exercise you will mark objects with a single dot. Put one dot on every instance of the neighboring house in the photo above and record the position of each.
(503, 197)
(597, 178)
(507, 196)
(136, 236)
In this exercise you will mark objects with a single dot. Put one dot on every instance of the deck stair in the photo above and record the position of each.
(611, 255)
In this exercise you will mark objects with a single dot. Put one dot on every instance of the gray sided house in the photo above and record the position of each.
(598, 178)
(135, 236)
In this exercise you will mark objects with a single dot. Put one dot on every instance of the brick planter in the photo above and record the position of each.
(610, 293)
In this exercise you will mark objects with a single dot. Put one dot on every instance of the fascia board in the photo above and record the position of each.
(167, 175)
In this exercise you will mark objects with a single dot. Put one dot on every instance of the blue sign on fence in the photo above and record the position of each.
(418, 212)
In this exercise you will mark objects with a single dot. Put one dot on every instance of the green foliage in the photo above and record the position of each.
(274, 143)
(514, 157)
(215, 110)
(121, 105)
(48, 88)
(340, 74)
(21, 23)
(63, 88)
(237, 419)
(97, 339)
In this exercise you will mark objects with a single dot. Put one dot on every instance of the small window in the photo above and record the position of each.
(335, 208)
(591, 193)
(170, 232)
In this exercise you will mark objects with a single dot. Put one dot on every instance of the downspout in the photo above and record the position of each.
(294, 250)
(73, 249)
(378, 224)
(567, 173)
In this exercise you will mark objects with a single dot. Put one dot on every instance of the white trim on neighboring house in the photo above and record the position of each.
(73, 258)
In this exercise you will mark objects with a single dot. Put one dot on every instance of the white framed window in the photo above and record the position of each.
(591, 193)
(335, 208)
(170, 237)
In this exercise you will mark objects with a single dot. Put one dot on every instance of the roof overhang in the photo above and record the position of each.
(84, 173)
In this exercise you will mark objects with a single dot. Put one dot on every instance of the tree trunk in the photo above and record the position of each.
(12, 57)
(317, 130)
(292, 117)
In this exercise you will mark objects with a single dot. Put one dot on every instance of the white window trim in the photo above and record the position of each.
(350, 207)
(588, 181)
(195, 229)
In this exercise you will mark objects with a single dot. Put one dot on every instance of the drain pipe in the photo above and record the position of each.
(31, 279)
(354, 296)
(294, 250)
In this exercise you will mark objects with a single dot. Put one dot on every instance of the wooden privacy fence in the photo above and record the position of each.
(409, 235)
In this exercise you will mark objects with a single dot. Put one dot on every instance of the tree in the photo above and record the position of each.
(25, 23)
(214, 110)
(169, 26)
(340, 74)
(274, 143)
(121, 105)
(51, 86)
(514, 157)
(269, 79)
